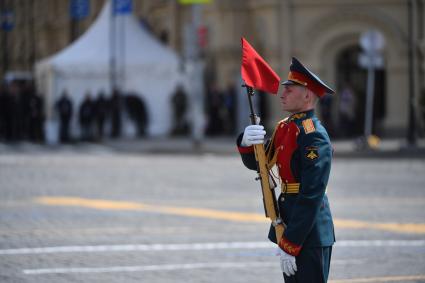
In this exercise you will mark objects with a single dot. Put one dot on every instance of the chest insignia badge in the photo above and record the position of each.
(311, 153)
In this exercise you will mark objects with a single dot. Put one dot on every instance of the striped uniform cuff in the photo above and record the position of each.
(245, 149)
(289, 247)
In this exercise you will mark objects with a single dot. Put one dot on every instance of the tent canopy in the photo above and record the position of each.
(143, 65)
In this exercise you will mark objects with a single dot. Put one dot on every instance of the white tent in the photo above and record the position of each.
(144, 67)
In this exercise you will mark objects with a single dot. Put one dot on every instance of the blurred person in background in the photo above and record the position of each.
(136, 110)
(7, 117)
(14, 115)
(301, 149)
(216, 111)
(86, 118)
(179, 107)
(422, 110)
(347, 110)
(115, 108)
(101, 113)
(36, 116)
(3, 111)
(26, 92)
(326, 114)
(65, 110)
(230, 103)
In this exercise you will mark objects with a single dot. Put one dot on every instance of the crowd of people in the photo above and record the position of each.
(220, 109)
(93, 114)
(22, 113)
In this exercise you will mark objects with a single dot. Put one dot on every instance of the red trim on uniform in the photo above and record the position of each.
(246, 149)
(307, 82)
(288, 247)
(285, 144)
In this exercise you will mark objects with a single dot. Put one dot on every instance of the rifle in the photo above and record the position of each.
(267, 182)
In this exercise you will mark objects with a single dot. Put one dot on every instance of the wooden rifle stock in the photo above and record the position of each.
(269, 198)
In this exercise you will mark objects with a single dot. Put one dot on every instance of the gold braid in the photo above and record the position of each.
(271, 152)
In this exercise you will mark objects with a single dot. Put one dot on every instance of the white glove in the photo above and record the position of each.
(287, 263)
(253, 134)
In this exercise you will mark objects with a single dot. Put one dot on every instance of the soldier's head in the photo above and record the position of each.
(297, 98)
(303, 89)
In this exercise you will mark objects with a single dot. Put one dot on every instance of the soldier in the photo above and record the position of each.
(301, 149)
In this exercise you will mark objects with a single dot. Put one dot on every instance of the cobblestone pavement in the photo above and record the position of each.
(94, 215)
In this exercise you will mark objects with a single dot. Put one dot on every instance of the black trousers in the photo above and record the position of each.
(312, 266)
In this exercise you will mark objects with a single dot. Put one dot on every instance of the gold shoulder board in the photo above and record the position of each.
(308, 126)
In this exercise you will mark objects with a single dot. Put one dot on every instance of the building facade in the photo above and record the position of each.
(323, 34)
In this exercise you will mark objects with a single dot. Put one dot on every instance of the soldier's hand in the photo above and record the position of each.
(253, 134)
(287, 263)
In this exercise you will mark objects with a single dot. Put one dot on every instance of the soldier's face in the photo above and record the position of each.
(293, 98)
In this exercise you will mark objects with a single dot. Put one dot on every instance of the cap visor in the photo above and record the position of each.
(289, 82)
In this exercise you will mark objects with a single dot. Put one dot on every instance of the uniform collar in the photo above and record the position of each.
(301, 115)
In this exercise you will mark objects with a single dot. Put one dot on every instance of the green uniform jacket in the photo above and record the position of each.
(301, 150)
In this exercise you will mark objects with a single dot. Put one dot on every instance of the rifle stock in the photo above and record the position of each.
(269, 198)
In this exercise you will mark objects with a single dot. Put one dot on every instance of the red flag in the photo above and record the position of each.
(256, 72)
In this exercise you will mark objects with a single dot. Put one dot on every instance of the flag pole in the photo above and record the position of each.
(250, 94)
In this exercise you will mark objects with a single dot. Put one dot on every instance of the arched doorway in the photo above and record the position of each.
(349, 75)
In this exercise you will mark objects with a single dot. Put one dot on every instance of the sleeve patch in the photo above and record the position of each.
(311, 152)
(308, 126)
